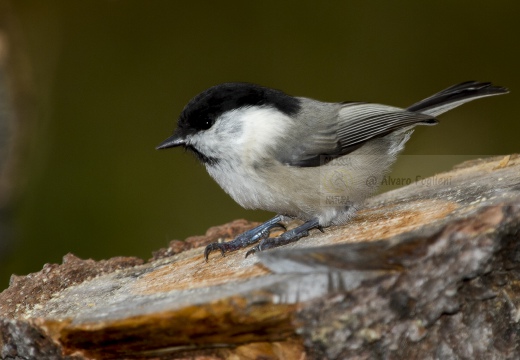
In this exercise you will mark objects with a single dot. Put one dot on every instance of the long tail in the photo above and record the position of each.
(456, 95)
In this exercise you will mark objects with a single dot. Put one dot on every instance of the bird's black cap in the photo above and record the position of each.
(202, 111)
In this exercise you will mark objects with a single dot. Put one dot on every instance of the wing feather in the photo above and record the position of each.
(354, 125)
(362, 122)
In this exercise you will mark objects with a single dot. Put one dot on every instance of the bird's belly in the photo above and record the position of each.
(326, 193)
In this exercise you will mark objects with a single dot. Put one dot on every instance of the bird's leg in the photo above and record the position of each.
(247, 238)
(287, 237)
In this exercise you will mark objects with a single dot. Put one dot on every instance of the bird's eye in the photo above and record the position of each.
(205, 124)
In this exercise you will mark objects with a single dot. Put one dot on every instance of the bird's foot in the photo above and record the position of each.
(287, 237)
(247, 238)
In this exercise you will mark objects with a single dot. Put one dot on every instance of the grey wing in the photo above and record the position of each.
(362, 122)
(351, 127)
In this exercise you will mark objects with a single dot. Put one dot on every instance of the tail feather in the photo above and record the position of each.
(456, 95)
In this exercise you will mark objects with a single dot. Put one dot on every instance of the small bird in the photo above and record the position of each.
(298, 157)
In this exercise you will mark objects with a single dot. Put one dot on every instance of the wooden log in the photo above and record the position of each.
(427, 271)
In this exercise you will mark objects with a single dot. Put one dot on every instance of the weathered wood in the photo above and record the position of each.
(430, 270)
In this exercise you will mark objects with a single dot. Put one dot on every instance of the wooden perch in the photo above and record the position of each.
(430, 270)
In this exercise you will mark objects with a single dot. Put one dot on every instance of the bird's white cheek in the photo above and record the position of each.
(261, 132)
(263, 127)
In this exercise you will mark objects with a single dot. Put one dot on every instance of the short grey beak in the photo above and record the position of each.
(172, 141)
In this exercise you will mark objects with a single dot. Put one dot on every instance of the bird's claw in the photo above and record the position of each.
(252, 251)
(214, 246)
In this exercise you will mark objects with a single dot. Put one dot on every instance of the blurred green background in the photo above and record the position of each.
(111, 77)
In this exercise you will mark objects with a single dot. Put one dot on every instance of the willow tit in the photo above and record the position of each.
(300, 157)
